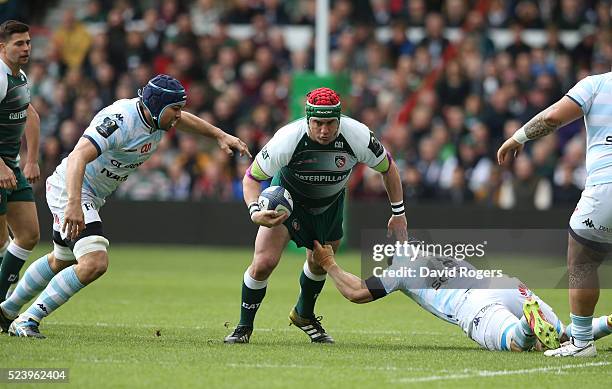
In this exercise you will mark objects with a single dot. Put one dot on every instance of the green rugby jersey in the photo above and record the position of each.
(14, 101)
(316, 174)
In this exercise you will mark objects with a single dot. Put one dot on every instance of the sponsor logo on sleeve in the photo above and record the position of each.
(375, 146)
(107, 127)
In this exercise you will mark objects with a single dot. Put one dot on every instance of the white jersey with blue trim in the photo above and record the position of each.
(440, 295)
(124, 141)
(594, 96)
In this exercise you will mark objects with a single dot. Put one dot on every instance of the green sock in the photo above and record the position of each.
(12, 263)
(311, 285)
(3, 250)
(253, 293)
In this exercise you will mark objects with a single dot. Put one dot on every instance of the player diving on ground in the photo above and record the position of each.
(512, 318)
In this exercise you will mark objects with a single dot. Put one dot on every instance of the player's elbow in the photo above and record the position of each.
(32, 112)
(359, 296)
(247, 180)
(552, 117)
(74, 157)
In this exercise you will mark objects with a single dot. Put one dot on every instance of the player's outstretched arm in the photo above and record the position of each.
(31, 170)
(193, 124)
(349, 285)
(552, 118)
(393, 184)
(83, 153)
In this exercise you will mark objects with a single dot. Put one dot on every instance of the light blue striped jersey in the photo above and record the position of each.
(439, 295)
(594, 96)
(123, 140)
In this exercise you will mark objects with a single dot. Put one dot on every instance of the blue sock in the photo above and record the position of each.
(600, 328)
(34, 280)
(63, 286)
(523, 335)
(582, 329)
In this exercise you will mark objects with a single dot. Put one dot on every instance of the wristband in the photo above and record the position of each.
(397, 208)
(254, 207)
(520, 136)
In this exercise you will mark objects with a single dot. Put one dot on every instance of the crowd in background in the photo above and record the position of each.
(445, 146)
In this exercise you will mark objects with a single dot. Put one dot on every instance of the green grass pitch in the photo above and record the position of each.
(157, 319)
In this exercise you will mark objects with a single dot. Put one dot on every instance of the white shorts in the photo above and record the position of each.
(57, 199)
(591, 222)
(486, 313)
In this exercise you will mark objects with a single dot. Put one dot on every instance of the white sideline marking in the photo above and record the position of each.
(145, 325)
(496, 373)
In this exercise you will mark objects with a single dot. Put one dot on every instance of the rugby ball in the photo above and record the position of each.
(276, 198)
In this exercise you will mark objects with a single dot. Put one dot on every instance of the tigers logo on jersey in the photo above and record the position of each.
(340, 160)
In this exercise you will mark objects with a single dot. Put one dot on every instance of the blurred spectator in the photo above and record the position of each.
(205, 15)
(457, 192)
(434, 40)
(371, 187)
(191, 159)
(498, 14)
(455, 12)
(94, 13)
(414, 190)
(528, 14)
(274, 12)
(565, 192)
(416, 13)
(570, 14)
(72, 40)
(239, 12)
(116, 41)
(517, 46)
(428, 165)
(525, 190)
(453, 88)
(399, 44)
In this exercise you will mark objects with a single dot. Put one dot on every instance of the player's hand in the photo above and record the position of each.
(511, 147)
(228, 143)
(269, 218)
(7, 177)
(74, 220)
(323, 255)
(31, 171)
(398, 226)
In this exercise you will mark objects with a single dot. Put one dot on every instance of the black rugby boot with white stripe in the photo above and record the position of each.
(312, 327)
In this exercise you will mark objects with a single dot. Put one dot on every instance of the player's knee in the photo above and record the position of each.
(90, 251)
(99, 267)
(263, 265)
(92, 266)
(4, 244)
(261, 270)
(28, 240)
(57, 264)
